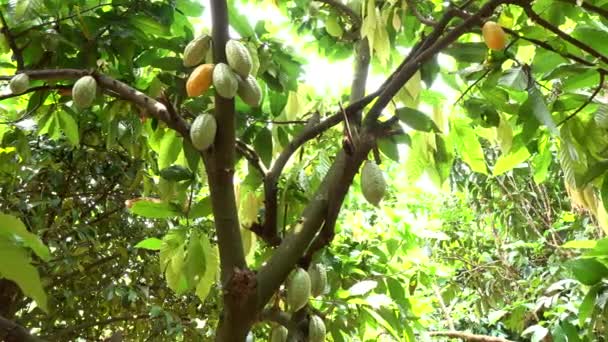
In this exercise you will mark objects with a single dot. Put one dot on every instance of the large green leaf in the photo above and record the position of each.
(416, 119)
(170, 146)
(588, 271)
(212, 262)
(69, 127)
(509, 161)
(151, 209)
(468, 146)
(12, 227)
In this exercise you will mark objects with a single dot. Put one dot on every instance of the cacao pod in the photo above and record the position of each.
(373, 184)
(249, 337)
(202, 131)
(199, 80)
(196, 50)
(224, 81)
(333, 27)
(238, 58)
(279, 334)
(84, 91)
(316, 329)
(494, 36)
(19, 83)
(249, 91)
(318, 279)
(298, 289)
(601, 116)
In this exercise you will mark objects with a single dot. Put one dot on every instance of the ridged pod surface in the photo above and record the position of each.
(225, 81)
(238, 58)
(195, 51)
(318, 279)
(298, 289)
(84, 91)
(373, 184)
(249, 91)
(316, 329)
(19, 83)
(202, 131)
(199, 80)
(494, 36)
(279, 334)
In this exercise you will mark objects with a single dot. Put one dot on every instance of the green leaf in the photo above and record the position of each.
(263, 145)
(12, 227)
(211, 269)
(389, 148)
(192, 155)
(151, 209)
(604, 192)
(176, 173)
(588, 304)
(536, 104)
(468, 146)
(201, 209)
(509, 161)
(362, 287)
(383, 323)
(583, 244)
(515, 79)
(467, 52)
(189, 7)
(238, 21)
(69, 127)
(152, 244)
(149, 25)
(16, 266)
(416, 119)
(588, 271)
(170, 146)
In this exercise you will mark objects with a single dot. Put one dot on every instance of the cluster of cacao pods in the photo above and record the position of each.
(228, 79)
(300, 286)
(373, 184)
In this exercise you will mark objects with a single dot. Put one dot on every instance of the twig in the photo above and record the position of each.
(354, 17)
(251, 156)
(589, 100)
(10, 39)
(468, 336)
(590, 7)
(426, 21)
(71, 330)
(464, 93)
(33, 89)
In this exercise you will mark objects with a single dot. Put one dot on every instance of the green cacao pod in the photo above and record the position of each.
(316, 329)
(249, 91)
(84, 91)
(601, 116)
(278, 334)
(196, 50)
(238, 58)
(373, 184)
(333, 27)
(298, 289)
(19, 83)
(225, 81)
(202, 131)
(318, 279)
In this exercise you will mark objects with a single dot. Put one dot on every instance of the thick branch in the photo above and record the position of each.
(563, 35)
(357, 88)
(14, 330)
(410, 68)
(468, 337)
(10, 39)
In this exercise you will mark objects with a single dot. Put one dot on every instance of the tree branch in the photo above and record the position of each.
(426, 21)
(16, 331)
(12, 43)
(563, 35)
(251, 156)
(589, 100)
(277, 316)
(33, 89)
(590, 7)
(468, 337)
(71, 330)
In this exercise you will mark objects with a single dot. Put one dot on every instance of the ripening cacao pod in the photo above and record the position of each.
(494, 36)
(19, 83)
(279, 334)
(84, 91)
(225, 81)
(316, 329)
(298, 289)
(199, 80)
(249, 91)
(202, 131)
(373, 184)
(318, 279)
(238, 58)
(601, 116)
(196, 50)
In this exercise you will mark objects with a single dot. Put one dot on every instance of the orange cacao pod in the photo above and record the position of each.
(199, 80)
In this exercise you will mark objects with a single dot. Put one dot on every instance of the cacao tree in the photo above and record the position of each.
(132, 127)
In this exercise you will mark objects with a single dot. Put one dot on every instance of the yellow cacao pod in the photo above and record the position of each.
(199, 80)
(202, 131)
(84, 91)
(373, 184)
(316, 329)
(238, 58)
(494, 36)
(298, 289)
(279, 334)
(249, 91)
(224, 81)
(196, 50)
(19, 83)
(318, 279)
